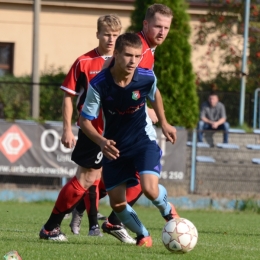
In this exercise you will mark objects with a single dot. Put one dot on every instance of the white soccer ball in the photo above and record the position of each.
(179, 235)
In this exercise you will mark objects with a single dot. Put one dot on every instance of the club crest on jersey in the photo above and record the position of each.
(136, 95)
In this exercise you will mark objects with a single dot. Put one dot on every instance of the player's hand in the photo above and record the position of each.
(170, 133)
(68, 139)
(109, 150)
(214, 125)
(152, 115)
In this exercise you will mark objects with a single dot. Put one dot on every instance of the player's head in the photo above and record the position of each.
(213, 99)
(108, 29)
(157, 24)
(128, 52)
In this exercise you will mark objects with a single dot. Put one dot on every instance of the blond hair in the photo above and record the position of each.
(158, 8)
(110, 20)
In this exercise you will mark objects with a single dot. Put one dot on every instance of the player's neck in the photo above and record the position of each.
(121, 78)
(103, 52)
(152, 46)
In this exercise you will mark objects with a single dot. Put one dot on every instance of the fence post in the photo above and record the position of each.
(63, 181)
(193, 161)
(255, 108)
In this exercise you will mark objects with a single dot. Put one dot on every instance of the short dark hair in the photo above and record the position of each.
(128, 39)
(213, 93)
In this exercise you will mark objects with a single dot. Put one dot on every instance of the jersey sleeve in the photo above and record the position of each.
(69, 84)
(151, 94)
(91, 107)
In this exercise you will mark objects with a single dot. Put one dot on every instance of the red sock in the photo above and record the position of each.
(69, 196)
(134, 193)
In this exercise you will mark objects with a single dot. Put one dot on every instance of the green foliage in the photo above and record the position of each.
(221, 32)
(15, 95)
(138, 14)
(173, 67)
(251, 205)
(50, 94)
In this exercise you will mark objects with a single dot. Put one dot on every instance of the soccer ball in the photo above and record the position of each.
(12, 255)
(179, 235)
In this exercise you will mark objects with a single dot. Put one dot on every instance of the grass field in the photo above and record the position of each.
(222, 235)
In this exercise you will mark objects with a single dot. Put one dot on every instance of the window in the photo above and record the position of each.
(6, 58)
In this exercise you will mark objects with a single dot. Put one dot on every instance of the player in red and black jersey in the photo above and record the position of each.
(86, 154)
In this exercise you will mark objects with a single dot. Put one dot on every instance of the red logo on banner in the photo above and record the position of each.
(14, 143)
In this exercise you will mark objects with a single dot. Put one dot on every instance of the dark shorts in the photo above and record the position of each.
(86, 153)
(144, 158)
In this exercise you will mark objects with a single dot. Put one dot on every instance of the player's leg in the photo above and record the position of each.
(128, 216)
(147, 162)
(72, 192)
(113, 225)
(102, 193)
(117, 175)
(90, 158)
(91, 203)
(79, 210)
(68, 198)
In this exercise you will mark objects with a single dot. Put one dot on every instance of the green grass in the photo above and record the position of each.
(222, 235)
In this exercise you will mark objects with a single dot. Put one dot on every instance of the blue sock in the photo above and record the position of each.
(161, 201)
(130, 219)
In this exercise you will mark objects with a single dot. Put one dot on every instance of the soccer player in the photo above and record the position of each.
(129, 139)
(156, 26)
(86, 153)
(155, 30)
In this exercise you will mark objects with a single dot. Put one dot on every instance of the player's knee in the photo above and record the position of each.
(117, 207)
(151, 193)
(87, 178)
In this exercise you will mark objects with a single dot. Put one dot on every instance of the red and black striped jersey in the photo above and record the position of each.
(147, 60)
(85, 68)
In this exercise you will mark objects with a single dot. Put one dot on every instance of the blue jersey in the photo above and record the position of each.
(124, 108)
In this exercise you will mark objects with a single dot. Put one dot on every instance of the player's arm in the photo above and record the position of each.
(68, 138)
(89, 112)
(152, 115)
(157, 104)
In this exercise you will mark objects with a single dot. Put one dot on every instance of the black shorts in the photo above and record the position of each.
(86, 153)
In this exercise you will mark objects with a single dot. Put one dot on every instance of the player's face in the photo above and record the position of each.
(156, 29)
(213, 100)
(107, 39)
(128, 59)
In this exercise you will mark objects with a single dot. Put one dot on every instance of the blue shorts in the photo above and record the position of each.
(144, 158)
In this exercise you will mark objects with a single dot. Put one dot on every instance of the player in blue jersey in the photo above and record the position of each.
(129, 139)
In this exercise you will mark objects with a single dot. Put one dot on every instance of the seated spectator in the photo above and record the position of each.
(213, 117)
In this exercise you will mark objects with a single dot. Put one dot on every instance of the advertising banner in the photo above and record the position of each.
(32, 149)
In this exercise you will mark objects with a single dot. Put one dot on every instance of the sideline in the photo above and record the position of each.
(183, 202)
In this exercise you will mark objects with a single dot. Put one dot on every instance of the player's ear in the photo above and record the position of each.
(115, 52)
(97, 35)
(145, 23)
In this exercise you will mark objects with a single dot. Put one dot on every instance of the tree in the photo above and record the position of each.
(221, 32)
(173, 67)
(15, 96)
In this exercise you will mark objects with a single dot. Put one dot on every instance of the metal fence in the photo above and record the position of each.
(224, 169)
(18, 94)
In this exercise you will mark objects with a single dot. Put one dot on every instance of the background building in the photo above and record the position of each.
(67, 30)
